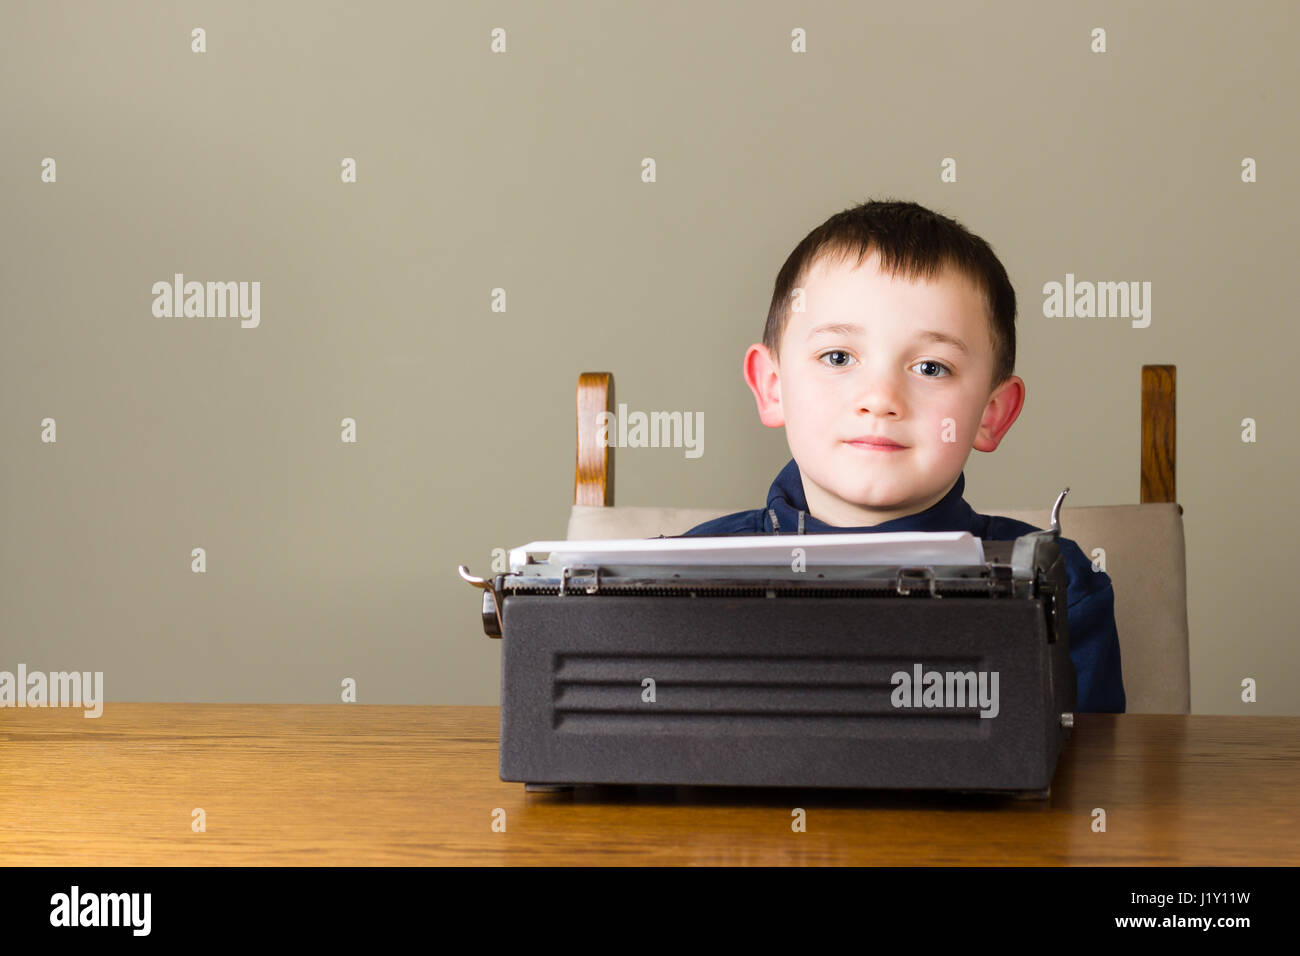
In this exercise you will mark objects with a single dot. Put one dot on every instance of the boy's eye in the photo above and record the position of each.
(836, 352)
(947, 371)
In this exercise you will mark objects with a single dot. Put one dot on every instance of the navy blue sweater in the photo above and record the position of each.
(1094, 642)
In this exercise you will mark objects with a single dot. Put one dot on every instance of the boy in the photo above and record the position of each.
(867, 299)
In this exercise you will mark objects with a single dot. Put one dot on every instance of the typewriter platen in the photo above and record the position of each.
(781, 661)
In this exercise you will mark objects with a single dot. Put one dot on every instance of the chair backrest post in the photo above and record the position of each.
(593, 479)
(1158, 433)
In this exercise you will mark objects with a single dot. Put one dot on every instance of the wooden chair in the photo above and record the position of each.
(1143, 543)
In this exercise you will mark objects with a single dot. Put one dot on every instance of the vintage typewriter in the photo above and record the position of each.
(934, 661)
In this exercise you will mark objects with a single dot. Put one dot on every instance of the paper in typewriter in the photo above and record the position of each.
(892, 548)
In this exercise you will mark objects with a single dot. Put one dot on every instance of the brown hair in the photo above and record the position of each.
(912, 241)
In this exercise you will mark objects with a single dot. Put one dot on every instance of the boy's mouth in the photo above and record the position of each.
(875, 443)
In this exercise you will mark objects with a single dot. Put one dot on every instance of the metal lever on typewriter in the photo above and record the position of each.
(1056, 512)
(1022, 555)
(491, 602)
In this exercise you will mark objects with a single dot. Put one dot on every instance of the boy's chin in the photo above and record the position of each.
(876, 494)
(881, 487)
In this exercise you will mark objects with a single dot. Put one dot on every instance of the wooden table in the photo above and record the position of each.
(353, 784)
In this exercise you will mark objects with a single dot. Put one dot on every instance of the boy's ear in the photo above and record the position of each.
(1000, 413)
(762, 375)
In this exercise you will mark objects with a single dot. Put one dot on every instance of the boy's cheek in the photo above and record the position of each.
(949, 424)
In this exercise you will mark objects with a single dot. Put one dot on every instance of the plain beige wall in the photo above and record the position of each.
(522, 171)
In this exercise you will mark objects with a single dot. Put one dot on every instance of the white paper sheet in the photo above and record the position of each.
(900, 547)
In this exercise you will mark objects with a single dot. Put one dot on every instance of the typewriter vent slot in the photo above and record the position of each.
(795, 695)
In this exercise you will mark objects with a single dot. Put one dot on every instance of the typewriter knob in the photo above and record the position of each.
(491, 623)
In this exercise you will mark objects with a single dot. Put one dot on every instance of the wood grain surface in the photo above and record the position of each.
(382, 785)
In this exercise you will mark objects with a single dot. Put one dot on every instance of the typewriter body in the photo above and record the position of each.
(798, 667)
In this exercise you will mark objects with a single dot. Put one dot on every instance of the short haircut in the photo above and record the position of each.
(914, 242)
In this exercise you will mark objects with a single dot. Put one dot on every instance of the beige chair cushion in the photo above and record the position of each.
(1146, 561)
(1145, 558)
(594, 523)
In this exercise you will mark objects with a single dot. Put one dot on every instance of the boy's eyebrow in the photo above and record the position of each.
(930, 335)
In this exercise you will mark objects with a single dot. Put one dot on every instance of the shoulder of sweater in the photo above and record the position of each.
(739, 522)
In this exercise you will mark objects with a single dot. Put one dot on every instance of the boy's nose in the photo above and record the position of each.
(880, 397)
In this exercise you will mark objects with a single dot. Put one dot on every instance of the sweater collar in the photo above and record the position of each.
(786, 498)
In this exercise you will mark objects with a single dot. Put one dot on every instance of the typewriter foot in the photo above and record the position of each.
(547, 787)
(1043, 794)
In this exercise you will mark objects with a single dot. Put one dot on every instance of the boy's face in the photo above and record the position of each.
(884, 378)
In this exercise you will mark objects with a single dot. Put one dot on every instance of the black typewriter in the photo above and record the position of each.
(823, 660)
